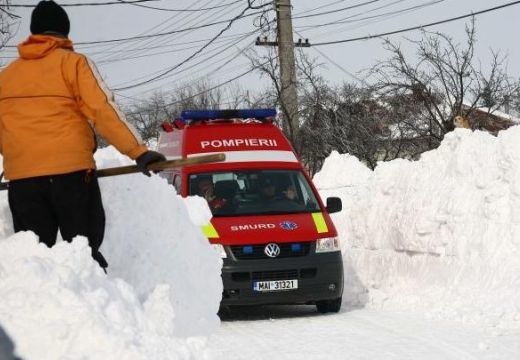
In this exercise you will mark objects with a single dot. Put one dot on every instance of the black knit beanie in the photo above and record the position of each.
(48, 16)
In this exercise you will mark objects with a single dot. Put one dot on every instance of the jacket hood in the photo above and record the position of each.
(38, 46)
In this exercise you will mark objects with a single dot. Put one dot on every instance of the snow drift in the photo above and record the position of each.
(159, 300)
(440, 235)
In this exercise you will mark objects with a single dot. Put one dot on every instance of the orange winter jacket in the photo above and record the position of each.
(49, 98)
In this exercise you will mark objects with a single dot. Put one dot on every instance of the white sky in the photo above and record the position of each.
(495, 30)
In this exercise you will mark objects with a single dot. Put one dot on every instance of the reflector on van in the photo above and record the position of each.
(199, 115)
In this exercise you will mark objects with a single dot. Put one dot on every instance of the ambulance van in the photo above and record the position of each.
(274, 233)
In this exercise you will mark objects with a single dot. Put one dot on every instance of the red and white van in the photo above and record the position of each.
(275, 235)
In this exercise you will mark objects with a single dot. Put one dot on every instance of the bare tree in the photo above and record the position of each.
(445, 80)
(330, 118)
(309, 84)
(6, 19)
(149, 114)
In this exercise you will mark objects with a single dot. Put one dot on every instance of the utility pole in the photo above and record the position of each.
(287, 67)
(288, 94)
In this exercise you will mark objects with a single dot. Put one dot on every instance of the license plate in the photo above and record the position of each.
(278, 285)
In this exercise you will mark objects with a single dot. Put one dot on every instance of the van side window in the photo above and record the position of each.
(307, 198)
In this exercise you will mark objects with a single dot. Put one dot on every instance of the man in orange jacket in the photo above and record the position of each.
(51, 98)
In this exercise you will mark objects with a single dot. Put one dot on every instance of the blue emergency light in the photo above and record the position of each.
(198, 115)
(248, 249)
(296, 247)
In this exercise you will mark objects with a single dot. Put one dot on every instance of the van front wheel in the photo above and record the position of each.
(327, 306)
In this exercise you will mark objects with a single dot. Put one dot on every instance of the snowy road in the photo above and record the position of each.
(300, 333)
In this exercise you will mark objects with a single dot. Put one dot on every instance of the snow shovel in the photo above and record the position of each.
(158, 166)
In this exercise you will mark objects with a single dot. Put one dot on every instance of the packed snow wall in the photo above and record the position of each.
(160, 297)
(440, 235)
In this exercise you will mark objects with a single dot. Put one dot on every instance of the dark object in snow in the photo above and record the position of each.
(6, 347)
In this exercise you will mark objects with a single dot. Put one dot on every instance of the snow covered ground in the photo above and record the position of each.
(157, 302)
(432, 264)
(299, 332)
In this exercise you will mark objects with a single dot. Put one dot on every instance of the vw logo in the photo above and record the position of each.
(272, 250)
(288, 225)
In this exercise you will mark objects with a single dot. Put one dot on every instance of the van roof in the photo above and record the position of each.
(239, 140)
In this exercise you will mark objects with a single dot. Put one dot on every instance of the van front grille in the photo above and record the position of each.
(254, 252)
(274, 275)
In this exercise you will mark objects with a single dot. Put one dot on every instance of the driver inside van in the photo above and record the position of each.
(206, 189)
(267, 189)
(290, 193)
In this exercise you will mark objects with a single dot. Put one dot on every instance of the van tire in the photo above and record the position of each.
(327, 306)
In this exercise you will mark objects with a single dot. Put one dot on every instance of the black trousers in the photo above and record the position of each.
(68, 202)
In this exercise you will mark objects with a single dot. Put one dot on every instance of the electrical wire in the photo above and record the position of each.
(418, 27)
(213, 87)
(168, 32)
(376, 19)
(228, 60)
(186, 21)
(338, 21)
(319, 7)
(159, 76)
(129, 2)
(336, 10)
(209, 57)
(357, 78)
(140, 56)
(386, 14)
(183, 10)
(139, 37)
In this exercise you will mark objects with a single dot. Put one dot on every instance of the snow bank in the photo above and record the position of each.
(159, 300)
(440, 235)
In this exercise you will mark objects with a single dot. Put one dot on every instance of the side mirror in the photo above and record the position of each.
(334, 205)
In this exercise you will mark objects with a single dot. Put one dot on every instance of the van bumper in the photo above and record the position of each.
(320, 277)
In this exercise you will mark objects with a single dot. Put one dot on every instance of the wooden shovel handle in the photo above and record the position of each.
(158, 166)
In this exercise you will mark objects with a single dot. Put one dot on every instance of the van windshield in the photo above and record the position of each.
(254, 192)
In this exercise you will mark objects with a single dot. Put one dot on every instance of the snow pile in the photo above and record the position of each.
(440, 235)
(159, 300)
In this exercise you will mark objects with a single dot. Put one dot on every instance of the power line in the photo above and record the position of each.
(353, 19)
(320, 7)
(139, 56)
(129, 2)
(181, 20)
(369, 37)
(168, 32)
(216, 70)
(354, 15)
(163, 46)
(217, 86)
(157, 77)
(210, 56)
(336, 10)
(336, 64)
(202, 92)
(139, 37)
(360, 24)
(159, 71)
(182, 10)
(189, 80)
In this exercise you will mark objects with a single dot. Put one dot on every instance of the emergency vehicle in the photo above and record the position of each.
(275, 235)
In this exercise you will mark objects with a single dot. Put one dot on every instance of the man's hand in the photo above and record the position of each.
(148, 158)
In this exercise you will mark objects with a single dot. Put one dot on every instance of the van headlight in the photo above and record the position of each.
(327, 245)
(219, 249)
